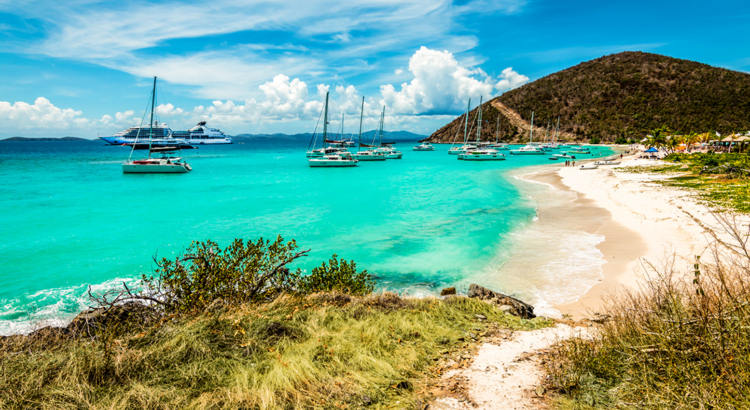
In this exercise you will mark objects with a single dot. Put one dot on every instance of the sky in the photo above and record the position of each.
(85, 68)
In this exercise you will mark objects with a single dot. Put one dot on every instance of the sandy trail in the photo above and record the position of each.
(506, 375)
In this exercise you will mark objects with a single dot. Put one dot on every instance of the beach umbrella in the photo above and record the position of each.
(652, 149)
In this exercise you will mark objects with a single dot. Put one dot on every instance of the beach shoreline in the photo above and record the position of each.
(641, 223)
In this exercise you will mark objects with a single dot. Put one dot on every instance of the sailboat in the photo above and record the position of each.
(499, 145)
(370, 154)
(466, 146)
(481, 154)
(166, 163)
(332, 159)
(530, 148)
(386, 148)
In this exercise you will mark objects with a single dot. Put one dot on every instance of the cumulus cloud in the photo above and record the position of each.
(442, 85)
(510, 80)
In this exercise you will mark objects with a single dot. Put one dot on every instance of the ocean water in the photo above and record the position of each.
(71, 219)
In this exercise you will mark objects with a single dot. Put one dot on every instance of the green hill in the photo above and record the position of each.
(629, 94)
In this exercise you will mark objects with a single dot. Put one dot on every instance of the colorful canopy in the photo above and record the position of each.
(652, 149)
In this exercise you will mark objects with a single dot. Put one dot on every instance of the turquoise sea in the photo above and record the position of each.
(70, 218)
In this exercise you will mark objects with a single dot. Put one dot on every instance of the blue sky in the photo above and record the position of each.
(85, 67)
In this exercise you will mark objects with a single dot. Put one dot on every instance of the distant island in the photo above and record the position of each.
(621, 96)
(392, 135)
(45, 139)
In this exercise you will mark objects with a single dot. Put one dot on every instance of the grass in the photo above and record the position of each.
(673, 344)
(720, 191)
(325, 351)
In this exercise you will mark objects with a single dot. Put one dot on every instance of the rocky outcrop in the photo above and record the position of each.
(514, 306)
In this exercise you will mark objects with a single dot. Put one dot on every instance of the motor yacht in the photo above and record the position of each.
(425, 146)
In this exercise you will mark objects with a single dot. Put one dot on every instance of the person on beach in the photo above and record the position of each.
(574, 162)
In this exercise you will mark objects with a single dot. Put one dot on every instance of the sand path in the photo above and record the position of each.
(506, 375)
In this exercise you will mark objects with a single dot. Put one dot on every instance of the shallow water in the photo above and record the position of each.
(70, 219)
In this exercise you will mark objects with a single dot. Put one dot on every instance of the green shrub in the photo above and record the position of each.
(252, 271)
(621, 140)
(339, 276)
(595, 140)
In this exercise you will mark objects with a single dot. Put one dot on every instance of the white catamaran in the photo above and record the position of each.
(530, 148)
(166, 163)
(370, 154)
(483, 153)
(338, 158)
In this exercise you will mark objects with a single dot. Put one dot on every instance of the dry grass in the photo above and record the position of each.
(681, 342)
(325, 351)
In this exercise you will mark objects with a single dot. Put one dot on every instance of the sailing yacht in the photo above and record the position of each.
(500, 146)
(530, 148)
(466, 146)
(166, 163)
(333, 159)
(481, 153)
(370, 154)
(386, 148)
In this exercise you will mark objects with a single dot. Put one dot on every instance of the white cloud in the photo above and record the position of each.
(510, 80)
(122, 36)
(43, 116)
(442, 85)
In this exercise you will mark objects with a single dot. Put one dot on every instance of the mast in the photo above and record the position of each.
(531, 132)
(497, 128)
(325, 122)
(466, 123)
(151, 122)
(361, 114)
(557, 128)
(382, 125)
(547, 135)
(479, 122)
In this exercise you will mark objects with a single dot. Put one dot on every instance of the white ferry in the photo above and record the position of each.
(198, 135)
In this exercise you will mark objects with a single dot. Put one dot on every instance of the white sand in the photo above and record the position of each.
(506, 375)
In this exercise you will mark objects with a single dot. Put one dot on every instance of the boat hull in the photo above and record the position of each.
(482, 157)
(155, 169)
(527, 153)
(321, 163)
(368, 157)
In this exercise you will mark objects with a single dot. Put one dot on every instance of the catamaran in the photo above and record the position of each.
(166, 163)
(370, 154)
(530, 148)
(333, 159)
(384, 148)
(480, 154)
(500, 146)
(425, 146)
(466, 146)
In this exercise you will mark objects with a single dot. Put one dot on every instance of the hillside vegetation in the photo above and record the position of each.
(630, 94)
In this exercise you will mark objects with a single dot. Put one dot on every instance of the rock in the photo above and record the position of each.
(506, 308)
(518, 308)
(540, 390)
(481, 317)
(448, 291)
(366, 400)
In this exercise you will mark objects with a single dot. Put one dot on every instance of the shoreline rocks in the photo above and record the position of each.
(507, 303)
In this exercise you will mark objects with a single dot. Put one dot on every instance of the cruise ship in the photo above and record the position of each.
(198, 135)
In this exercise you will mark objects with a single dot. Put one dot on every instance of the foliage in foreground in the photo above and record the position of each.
(675, 344)
(245, 271)
(324, 351)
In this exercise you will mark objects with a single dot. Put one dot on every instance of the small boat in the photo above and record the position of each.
(389, 152)
(425, 146)
(166, 163)
(369, 155)
(553, 158)
(482, 155)
(337, 159)
(579, 151)
(607, 162)
(341, 159)
(527, 150)
(588, 167)
(563, 156)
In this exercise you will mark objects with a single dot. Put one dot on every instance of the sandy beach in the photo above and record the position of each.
(643, 223)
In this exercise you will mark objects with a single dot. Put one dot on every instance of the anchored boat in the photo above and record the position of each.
(335, 159)
(167, 162)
